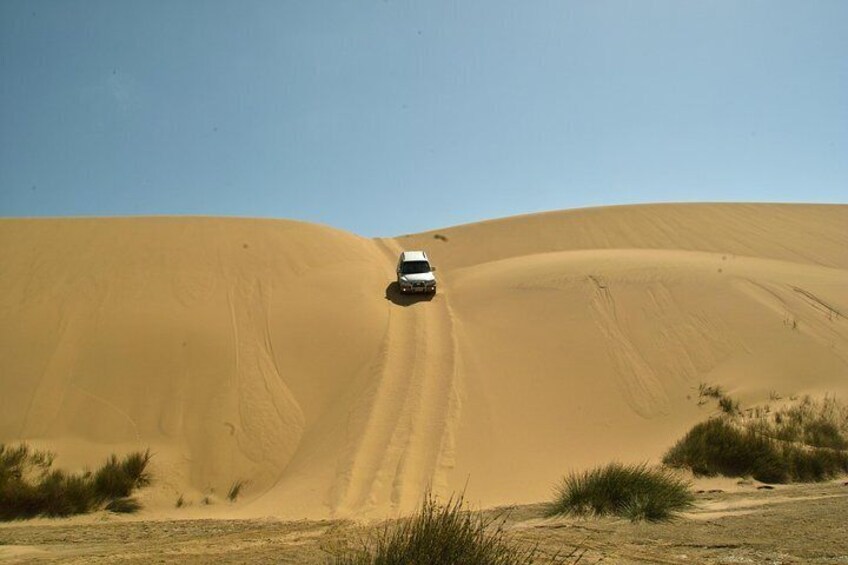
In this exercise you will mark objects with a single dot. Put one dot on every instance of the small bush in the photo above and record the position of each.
(235, 489)
(124, 505)
(117, 479)
(816, 423)
(728, 405)
(717, 447)
(720, 447)
(439, 534)
(29, 487)
(710, 391)
(633, 491)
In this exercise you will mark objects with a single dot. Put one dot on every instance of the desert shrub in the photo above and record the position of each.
(135, 467)
(118, 478)
(821, 433)
(710, 391)
(438, 534)
(717, 447)
(633, 491)
(29, 487)
(721, 447)
(816, 423)
(235, 490)
(126, 505)
(728, 405)
(63, 494)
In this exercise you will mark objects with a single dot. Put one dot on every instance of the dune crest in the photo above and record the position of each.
(276, 351)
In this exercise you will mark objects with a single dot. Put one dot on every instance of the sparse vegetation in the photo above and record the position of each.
(126, 505)
(30, 487)
(440, 534)
(728, 405)
(180, 501)
(709, 391)
(803, 442)
(235, 489)
(716, 392)
(815, 423)
(637, 492)
(117, 479)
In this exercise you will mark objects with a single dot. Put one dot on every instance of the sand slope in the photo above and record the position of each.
(275, 351)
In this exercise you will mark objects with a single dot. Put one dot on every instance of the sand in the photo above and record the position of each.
(741, 525)
(277, 352)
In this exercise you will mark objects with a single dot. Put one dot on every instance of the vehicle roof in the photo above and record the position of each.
(413, 256)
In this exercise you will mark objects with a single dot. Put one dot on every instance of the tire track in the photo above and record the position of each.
(406, 444)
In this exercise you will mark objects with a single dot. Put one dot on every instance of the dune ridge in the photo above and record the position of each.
(275, 351)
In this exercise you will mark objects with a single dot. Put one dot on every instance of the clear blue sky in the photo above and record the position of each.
(391, 117)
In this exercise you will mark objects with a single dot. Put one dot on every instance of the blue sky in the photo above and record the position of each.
(393, 117)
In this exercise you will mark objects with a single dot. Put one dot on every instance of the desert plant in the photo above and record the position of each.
(117, 479)
(135, 467)
(728, 405)
(717, 447)
(29, 487)
(126, 505)
(439, 534)
(722, 447)
(180, 501)
(235, 489)
(710, 391)
(637, 492)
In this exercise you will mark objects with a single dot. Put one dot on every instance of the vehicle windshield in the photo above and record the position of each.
(414, 267)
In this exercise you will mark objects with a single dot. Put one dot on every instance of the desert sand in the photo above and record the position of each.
(792, 524)
(278, 352)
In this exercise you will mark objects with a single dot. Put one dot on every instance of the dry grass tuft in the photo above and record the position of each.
(802, 442)
(441, 534)
(637, 492)
(30, 487)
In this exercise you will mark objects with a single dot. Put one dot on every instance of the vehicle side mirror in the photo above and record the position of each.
(432, 269)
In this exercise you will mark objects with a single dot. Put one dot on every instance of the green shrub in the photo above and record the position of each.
(815, 423)
(235, 490)
(720, 447)
(124, 505)
(633, 491)
(439, 534)
(135, 467)
(728, 405)
(821, 433)
(29, 487)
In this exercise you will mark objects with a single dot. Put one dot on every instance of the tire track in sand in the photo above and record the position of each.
(407, 441)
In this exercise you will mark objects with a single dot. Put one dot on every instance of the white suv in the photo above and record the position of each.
(414, 273)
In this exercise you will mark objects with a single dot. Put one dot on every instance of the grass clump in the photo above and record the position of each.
(119, 478)
(30, 487)
(235, 489)
(716, 392)
(717, 447)
(817, 423)
(637, 492)
(801, 442)
(125, 505)
(439, 534)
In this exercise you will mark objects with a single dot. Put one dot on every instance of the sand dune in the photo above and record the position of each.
(274, 351)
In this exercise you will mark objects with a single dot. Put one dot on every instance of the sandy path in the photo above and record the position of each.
(791, 524)
(407, 441)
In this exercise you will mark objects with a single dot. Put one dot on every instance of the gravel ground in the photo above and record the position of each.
(789, 524)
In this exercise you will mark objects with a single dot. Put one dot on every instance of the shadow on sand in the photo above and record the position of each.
(394, 294)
